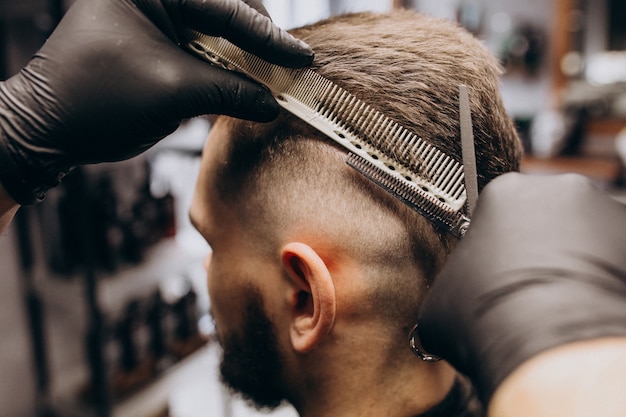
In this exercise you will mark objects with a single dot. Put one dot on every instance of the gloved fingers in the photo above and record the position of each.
(558, 202)
(529, 190)
(247, 27)
(259, 7)
(212, 90)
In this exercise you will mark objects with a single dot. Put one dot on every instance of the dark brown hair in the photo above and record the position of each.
(408, 66)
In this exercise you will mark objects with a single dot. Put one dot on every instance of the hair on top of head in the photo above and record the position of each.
(409, 67)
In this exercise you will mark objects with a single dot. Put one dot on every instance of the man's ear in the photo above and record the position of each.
(311, 298)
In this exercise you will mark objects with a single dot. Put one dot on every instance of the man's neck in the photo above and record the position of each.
(367, 384)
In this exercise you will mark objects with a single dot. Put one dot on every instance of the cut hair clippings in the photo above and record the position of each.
(412, 170)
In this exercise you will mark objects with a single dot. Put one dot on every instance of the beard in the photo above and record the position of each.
(251, 362)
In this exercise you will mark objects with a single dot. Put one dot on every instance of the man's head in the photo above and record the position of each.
(308, 253)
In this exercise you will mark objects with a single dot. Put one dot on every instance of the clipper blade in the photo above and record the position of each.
(405, 165)
(426, 204)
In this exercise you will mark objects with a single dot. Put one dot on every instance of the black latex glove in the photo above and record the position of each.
(111, 81)
(542, 264)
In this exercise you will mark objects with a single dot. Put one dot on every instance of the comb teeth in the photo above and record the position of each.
(423, 202)
(413, 166)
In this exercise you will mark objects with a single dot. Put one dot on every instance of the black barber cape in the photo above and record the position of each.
(461, 401)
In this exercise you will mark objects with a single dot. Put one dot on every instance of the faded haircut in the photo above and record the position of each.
(409, 67)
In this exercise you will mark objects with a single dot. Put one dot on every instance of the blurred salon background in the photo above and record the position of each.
(103, 309)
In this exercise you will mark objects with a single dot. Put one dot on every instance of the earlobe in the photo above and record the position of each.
(312, 300)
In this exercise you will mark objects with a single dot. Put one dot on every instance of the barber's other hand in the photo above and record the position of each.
(111, 81)
(542, 265)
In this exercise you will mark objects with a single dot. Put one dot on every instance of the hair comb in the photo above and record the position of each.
(399, 161)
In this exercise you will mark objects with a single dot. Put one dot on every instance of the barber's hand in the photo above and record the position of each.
(112, 80)
(542, 264)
